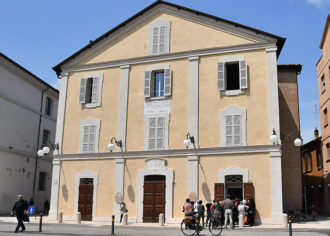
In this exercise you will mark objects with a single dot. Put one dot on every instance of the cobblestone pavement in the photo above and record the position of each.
(7, 228)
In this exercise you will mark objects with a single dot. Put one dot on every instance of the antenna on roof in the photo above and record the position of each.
(316, 112)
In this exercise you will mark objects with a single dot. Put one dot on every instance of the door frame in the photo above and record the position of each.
(155, 166)
(95, 177)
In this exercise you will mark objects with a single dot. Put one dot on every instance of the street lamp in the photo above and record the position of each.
(46, 149)
(189, 139)
(111, 145)
(297, 142)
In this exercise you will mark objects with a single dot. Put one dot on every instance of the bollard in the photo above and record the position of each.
(161, 219)
(60, 217)
(113, 225)
(241, 220)
(40, 223)
(125, 219)
(78, 217)
(290, 226)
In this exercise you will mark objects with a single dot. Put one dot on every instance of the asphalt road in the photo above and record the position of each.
(92, 230)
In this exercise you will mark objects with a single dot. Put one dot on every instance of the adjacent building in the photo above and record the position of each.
(323, 81)
(165, 75)
(28, 111)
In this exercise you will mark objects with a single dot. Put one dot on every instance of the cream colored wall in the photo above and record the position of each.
(106, 187)
(179, 109)
(255, 100)
(259, 172)
(180, 187)
(185, 35)
(107, 112)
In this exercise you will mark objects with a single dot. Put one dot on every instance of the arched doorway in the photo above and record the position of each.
(154, 197)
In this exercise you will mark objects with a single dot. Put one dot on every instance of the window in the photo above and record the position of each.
(89, 135)
(329, 192)
(159, 37)
(310, 163)
(232, 75)
(328, 150)
(156, 131)
(323, 83)
(158, 82)
(42, 181)
(233, 126)
(91, 90)
(49, 104)
(303, 164)
(325, 116)
(319, 160)
(45, 137)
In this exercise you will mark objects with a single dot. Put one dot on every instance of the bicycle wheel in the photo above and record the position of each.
(187, 229)
(215, 226)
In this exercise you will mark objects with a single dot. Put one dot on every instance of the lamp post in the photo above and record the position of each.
(46, 149)
(111, 145)
(189, 139)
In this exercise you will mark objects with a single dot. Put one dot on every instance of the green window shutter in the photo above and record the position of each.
(83, 89)
(168, 82)
(221, 76)
(243, 74)
(85, 147)
(155, 40)
(162, 38)
(147, 84)
(95, 90)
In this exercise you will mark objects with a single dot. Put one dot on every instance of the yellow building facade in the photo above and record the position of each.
(143, 86)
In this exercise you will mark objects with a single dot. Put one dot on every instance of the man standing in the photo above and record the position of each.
(201, 211)
(20, 208)
(228, 207)
(208, 212)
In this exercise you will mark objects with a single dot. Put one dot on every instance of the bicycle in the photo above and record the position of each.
(189, 226)
(215, 226)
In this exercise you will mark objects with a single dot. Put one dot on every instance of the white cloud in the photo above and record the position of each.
(318, 3)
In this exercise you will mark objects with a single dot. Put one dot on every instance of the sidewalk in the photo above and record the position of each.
(323, 223)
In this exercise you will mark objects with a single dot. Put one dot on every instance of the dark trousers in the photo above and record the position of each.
(208, 217)
(201, 216)
(20, 223)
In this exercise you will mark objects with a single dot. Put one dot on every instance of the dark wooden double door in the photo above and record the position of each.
(154, 198)
(85, 201)
(219, 191)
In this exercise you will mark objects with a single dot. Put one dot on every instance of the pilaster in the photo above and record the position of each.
(193, 172)
(193, 97)
(53, 210)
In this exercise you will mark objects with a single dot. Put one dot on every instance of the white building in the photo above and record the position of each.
(28, 111)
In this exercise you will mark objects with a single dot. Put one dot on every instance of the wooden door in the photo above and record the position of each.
(154, 200)
(85, 201)
(248, 191)
(219, 192)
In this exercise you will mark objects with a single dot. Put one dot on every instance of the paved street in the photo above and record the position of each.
(97, 230)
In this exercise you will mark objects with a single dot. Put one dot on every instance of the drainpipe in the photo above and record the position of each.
(38, 142)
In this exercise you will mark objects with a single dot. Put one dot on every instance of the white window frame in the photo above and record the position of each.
(323, 83)
(100, 76)
(166, 117)
(159, 23)
(153, 70)
(232, 110)
(232, 59)
(88, 122)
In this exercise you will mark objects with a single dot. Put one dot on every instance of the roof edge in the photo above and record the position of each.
(325, 31)
(296, 67)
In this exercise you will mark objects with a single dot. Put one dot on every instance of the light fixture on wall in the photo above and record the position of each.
(189, 139)
(47, 148)
(297, 142)
(273, 137)
(111, 145)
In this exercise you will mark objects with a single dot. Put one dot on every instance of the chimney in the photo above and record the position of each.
(316, 133)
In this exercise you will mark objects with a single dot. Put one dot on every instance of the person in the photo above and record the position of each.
(46, 207)
(242, 212)
(31, 202)
(201, 211)
(208, 212)
(235, 211)
(20, 208)
(228, 207)
(251, 211)
(123, 210)
(188, 208)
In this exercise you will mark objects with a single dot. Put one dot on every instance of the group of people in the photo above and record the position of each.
(227, 211)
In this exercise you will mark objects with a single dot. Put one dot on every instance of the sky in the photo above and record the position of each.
(39, 34)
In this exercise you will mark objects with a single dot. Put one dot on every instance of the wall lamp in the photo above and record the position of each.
(111, 145)
(46, 149)
(189, 139)
(297, 142)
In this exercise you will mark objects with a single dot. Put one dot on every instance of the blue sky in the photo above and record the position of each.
(40, 34)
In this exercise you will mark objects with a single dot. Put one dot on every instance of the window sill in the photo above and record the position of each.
(90, 105)
(157, 98)
(232, 92)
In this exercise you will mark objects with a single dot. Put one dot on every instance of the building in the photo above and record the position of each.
(323, 81)
(165, 75)
(28, 120)
(312, 175)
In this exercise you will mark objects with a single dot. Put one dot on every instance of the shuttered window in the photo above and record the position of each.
(156, 133)
(159, 40)
(89, 138)
(90, 90)
(158, 83)
(233, 130)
